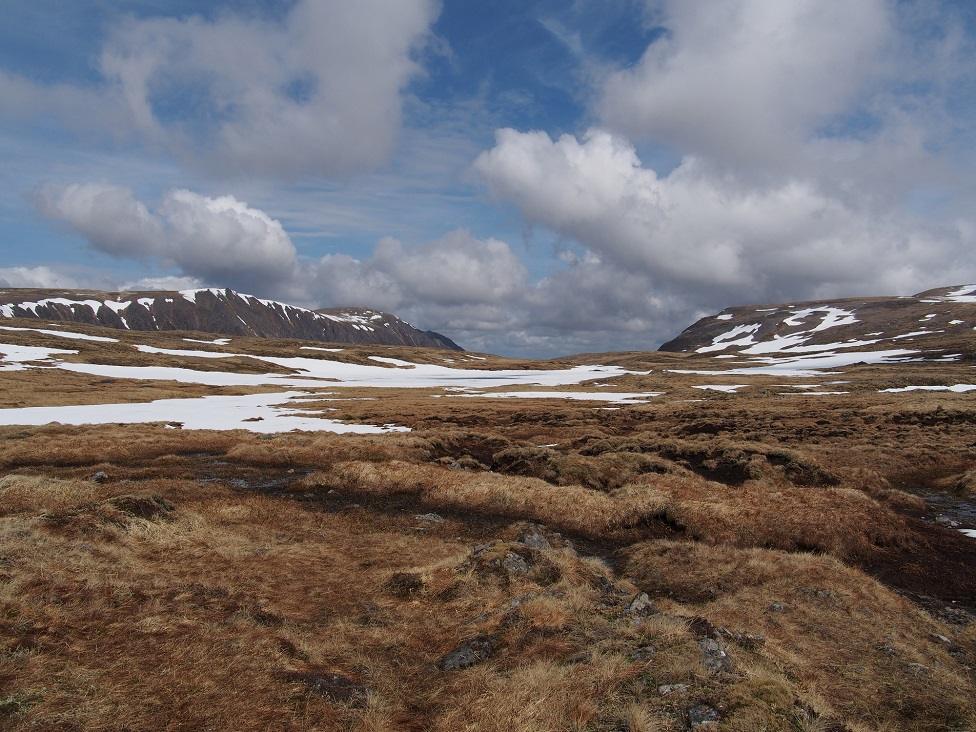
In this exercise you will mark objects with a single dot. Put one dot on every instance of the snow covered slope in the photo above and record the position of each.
(941, 321)
(216, 311)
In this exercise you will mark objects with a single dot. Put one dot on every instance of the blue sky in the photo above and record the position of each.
(529, 177)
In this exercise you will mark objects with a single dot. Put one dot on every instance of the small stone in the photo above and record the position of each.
(642, 605)
(702, 716)
(432, 518)
(517, 602)
(514, 564)
(918, 669)
(330, 685)
(777, 607)
(669, 689)
(713, 655)
(943, 520)
(99, 477)
(472, 651)
(642, 654)
(535, 539)
(750, 641)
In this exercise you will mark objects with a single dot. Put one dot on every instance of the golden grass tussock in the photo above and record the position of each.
(833, 631)
(840, 521)
(71, 446)
(538, 697)
(313, 581)
(569, 508)
(40, 494)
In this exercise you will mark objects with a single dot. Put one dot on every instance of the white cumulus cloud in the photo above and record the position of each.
(710, 238)
(216, 239)
(40, 277)
(316, 91)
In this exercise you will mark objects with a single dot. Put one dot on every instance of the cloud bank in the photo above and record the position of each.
(814, 149)
(315, 92)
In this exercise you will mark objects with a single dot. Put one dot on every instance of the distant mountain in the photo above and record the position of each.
(943, 318)
(216, 311)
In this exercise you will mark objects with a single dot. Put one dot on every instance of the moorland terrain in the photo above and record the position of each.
(769, 526)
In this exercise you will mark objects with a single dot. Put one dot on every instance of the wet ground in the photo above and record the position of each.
(937, 571)
(951, 511)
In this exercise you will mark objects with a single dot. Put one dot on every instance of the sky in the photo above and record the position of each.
(528, 177)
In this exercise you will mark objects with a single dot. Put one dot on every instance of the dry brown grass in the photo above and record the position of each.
(222, 580)
(574, 509)
(41, 494)
(860, 650)
(841, 521)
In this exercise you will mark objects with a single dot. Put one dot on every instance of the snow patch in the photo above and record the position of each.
(215, 341)
(64, 334)
(724, 340)
(253, 412)
(957, 388)
(811, 365)
(603, 396)
(966, 293)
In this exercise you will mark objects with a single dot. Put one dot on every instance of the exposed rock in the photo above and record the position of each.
(669, 689)
(744, 640)
(940, 638)
(714, 656)
(514, 564)
(473, 650)
(330, 685)
(642, 654)
(641, 606)
(517, 602)
(702, 627)
(702, 716)
(918, 669)
(98, 477)
(430, 518)
(534, 538)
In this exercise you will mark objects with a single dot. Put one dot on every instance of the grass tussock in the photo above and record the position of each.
(485, 571)
(574, 509)
(42, 494)
(862, 650)
(839, 521)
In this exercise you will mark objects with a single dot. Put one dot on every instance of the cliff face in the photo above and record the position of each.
(223, 312)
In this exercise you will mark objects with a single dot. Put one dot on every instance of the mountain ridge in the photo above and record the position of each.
(220, 311)
(943, 317)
